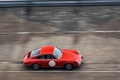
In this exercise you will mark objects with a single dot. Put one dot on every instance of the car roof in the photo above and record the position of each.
(47, 50)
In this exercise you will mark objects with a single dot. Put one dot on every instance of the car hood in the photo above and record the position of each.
(69, 54)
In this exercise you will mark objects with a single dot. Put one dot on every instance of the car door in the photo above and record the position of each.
(40, 59)
(50, 61)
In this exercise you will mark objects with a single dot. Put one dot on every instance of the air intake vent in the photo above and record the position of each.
(29, 54)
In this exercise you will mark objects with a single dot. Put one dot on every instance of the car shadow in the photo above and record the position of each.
(27, 68)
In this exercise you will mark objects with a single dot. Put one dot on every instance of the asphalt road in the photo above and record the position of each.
(100, 51)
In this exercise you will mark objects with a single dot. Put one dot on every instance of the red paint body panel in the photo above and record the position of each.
(47, 50)
(68, 56)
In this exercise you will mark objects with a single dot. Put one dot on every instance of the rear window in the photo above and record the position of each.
(35, 52)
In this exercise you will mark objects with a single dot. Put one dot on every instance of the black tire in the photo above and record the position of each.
(36, 66)
(68, 66)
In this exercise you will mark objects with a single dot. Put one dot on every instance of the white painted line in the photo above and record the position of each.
(61, 71)
(4, 62)
(63, 32)
(107, 31)
(97, 31)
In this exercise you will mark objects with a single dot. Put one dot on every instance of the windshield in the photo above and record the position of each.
(57, 53)
(35, 52)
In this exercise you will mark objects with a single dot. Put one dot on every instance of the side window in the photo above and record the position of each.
(35, 52)
(39, 57)
(49, 56)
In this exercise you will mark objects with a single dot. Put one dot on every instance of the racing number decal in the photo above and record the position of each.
(52, 63)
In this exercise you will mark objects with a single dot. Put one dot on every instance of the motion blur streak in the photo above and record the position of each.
(62, 32)
(94, 31)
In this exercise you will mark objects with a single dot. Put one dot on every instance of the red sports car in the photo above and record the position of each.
(51, 56)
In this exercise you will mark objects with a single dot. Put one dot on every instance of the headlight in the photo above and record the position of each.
(77, 61)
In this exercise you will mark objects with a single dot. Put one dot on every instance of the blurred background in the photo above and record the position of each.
(93, 30)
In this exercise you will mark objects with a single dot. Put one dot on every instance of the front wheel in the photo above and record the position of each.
(68, 66)
(36, 66)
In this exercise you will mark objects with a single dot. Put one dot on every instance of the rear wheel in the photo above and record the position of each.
(68, 66)
(36, 66)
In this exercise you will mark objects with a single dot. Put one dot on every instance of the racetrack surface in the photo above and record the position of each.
(100, 51)
(99, 43)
